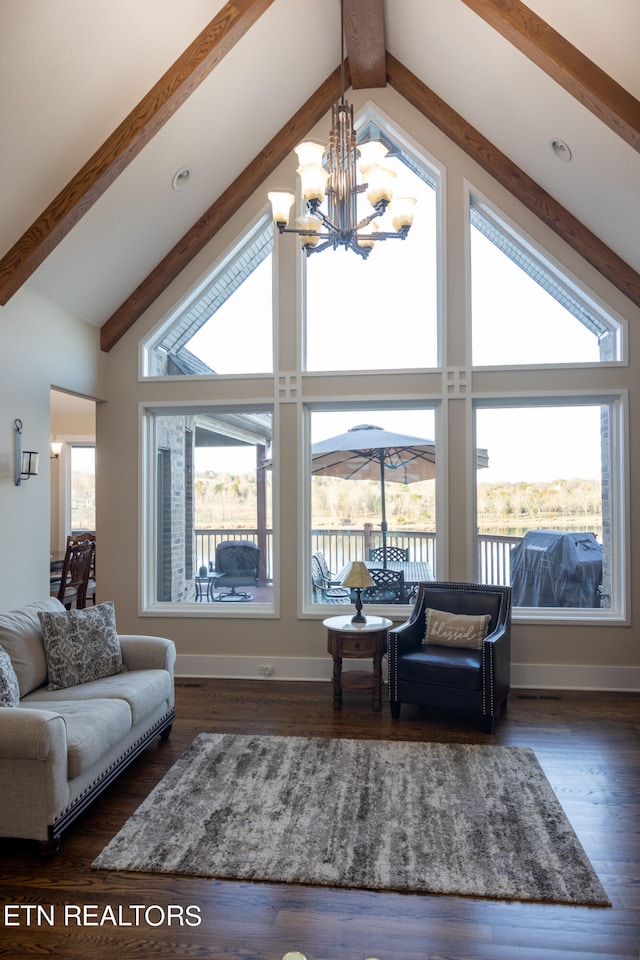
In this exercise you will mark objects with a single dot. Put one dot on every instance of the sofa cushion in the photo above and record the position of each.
(81, 645)
(9, 689)
(21, 637)
(456, 629)
(143, 690)
(94, 727)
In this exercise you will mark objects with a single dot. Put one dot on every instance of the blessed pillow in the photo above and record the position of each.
(9, 689)
(456, 629)
(81, 645)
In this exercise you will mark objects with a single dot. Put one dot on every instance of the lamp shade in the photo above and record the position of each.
(309, 222)
(30, 463)
(310, 152)
(357, 576)
(313, 181)
(401, 211)
(380, 184)
(372, 153)
(281, 202)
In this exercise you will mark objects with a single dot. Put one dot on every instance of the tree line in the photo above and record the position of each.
(229, 500)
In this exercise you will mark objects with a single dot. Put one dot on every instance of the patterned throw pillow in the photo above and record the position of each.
(81, 645)
(456, 629)
(9, 689)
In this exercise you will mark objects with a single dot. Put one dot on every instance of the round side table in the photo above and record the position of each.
(357, 641)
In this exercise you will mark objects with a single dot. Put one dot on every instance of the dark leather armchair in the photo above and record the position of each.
(237, 565)
(453, 677)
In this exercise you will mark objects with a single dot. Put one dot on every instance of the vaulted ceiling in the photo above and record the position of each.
(102, 104)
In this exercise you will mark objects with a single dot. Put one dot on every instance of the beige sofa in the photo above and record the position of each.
(59, 748)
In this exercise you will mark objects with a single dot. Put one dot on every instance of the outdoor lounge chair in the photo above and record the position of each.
(237, 565)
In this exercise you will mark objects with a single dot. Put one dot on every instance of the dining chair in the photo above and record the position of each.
(388, 587)
(393, 553)
(76, 570)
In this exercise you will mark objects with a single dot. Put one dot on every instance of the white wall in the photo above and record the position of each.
(41, 347)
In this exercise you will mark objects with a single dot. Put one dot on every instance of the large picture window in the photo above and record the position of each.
(226, 325)
(388, 304)
(211, 522)
(524, 311)
(525, 478)
(373, 499)
(545, 514)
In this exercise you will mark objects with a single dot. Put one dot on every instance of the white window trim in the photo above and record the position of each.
(307, 609)
(148, 606)
(578, 288)
(618, 400)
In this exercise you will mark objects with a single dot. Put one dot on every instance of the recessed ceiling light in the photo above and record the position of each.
(560, 149)
(181, 178)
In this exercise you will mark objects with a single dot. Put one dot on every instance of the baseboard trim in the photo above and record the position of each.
(550, 676)
(569, 676)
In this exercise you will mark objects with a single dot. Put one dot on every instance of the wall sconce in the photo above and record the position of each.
(26, 460)
(56, 449)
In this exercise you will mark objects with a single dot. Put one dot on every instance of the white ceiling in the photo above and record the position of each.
(70, 71)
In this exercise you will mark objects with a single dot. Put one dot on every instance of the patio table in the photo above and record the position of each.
(415, 571)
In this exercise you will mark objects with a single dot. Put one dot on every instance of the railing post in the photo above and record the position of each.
(368, 527)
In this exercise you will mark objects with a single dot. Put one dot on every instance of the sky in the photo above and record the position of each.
(530, 444)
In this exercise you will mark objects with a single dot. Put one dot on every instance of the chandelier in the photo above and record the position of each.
(331, 173)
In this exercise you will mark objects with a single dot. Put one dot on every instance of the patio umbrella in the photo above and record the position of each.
(367, 452)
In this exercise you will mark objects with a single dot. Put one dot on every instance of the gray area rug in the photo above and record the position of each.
(433, 818)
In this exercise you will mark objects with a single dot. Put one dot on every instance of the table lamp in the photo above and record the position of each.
(357, 577)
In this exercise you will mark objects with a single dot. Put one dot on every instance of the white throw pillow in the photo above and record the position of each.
(456, 629)
(81, 645)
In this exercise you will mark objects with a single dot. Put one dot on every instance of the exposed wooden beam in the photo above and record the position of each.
(582, 78)
(526, 190)
(223, 209)
(126, 142)
(364, 38)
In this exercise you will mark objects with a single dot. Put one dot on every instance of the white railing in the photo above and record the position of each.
(339, 545)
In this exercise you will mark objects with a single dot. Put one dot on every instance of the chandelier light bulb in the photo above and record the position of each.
(310, 153)
(313, 181)
(372, 154)
(380, 185)
(401, 212)
(281, 203)
(309, 222)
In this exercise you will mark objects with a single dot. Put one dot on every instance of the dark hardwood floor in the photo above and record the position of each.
(587, 743)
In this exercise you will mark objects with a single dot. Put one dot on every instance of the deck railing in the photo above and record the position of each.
(339, 545)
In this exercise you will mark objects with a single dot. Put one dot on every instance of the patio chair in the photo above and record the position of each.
(388, 587)
(324, 582)
(393, 553)
(453, 663)
(237, 563)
